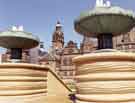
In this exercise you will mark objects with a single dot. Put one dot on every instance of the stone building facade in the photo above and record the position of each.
(25, 56)
(125, 42)
(88, 45)
(58, 37)
(60, 55)
(67, 68)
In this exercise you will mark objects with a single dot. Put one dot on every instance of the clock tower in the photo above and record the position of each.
(58, 37)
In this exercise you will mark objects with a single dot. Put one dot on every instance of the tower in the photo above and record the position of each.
(58, 37)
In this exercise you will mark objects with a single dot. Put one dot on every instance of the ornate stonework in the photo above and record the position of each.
(60, 56)
(125, 42)
(58, 37)
(88, 45)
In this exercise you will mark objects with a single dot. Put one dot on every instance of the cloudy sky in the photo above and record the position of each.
(40, 16)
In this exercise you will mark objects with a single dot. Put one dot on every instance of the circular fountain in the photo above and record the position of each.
(106, 75)
(16, 40)
(21, 82)
(104, 22)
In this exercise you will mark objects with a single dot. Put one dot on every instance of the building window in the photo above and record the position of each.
(65, 61)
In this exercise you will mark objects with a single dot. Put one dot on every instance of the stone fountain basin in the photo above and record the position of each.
(100, 20)
(105, 77)
(18, 39)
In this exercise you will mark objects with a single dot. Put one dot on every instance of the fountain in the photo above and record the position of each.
(21, 82)
(16, 40)
(106, 75)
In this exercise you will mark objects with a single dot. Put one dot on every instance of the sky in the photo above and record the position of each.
(40, 16)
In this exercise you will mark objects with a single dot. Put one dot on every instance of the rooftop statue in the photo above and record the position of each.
(101, 3)
(17, 28)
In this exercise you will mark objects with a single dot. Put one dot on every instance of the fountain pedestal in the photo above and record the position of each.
(23, 83)
(106, 77)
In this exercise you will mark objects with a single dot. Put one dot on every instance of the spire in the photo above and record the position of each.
(58, 36)
(58, 24)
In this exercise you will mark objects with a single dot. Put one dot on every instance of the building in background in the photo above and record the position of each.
(37, 53)
(88, 45)
(6, 56)
(58, 37)
(60, 54)
(59, 57)
(125, 42)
